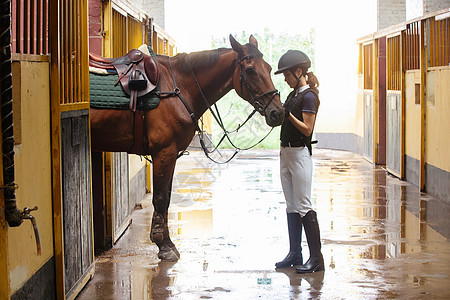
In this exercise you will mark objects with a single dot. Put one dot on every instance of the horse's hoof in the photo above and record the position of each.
(175, 250)
(169, 255)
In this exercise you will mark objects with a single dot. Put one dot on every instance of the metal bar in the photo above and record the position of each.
(395, 58)
(65, 52)
(438, 43)
(45, 21)
(71, 53)
(15, 9)
(411, 47)
(396, 55)
(444, 41)
(20, 25)
(408, 49)
(433, 43)
(124, 41)
(395, 62)
(388, 64)
(403, 51)
(79, 86)
(60, 50)
(416, 50)
(114, 33)
(33, 27)
(39, 31)
(447, 42)
(26, 27)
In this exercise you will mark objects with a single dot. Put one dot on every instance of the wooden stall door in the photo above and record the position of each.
(394, 110)
(394, 133)
(76, 193)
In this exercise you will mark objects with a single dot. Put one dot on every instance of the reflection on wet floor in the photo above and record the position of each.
(381, 237)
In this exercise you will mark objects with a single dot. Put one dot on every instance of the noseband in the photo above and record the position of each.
(255, 99)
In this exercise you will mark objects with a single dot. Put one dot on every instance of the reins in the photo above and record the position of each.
(255, 103)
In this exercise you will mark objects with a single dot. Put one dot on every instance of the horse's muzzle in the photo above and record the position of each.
(275, 117)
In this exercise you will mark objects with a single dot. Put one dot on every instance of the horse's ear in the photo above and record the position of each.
(253, 41)
(236, 46)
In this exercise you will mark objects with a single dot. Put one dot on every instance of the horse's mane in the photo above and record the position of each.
(202, 59)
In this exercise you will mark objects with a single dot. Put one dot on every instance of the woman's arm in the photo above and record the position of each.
(305, 127)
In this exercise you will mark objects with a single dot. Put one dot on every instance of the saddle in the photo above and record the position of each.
(138, 73)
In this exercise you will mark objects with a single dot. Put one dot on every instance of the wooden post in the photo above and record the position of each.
(55, 71)
(423, 104)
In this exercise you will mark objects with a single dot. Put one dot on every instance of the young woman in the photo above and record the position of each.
(296, 165)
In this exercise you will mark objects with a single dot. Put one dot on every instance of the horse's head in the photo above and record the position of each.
(252, 81)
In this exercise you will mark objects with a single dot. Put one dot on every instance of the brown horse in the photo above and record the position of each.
(169, 128)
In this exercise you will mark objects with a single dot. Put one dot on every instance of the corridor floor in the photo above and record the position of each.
(381, 237)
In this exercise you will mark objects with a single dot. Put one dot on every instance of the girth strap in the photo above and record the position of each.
(139, 145)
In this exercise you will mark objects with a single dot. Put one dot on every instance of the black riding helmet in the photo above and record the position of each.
(291, 59)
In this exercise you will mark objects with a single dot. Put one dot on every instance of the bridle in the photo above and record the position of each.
(255, 103)
(255, 99)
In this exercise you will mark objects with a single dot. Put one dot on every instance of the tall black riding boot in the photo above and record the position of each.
(294, 256)
(315, 262)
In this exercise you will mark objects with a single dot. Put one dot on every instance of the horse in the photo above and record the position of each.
(193, 83)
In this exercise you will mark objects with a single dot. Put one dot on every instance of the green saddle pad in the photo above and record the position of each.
(104, 95)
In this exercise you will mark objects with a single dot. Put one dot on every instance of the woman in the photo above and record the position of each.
(301, 108)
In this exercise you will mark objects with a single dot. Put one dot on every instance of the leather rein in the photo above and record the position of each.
(258, 107)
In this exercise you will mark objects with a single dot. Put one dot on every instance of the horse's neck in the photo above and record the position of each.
(220, 77)
(213, 82)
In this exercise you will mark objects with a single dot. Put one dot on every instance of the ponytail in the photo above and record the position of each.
(312, 80)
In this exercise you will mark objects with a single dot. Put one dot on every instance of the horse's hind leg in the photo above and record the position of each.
(163, 170)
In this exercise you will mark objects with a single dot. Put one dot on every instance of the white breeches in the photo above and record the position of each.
(296, 177)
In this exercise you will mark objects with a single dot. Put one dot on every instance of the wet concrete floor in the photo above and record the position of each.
(381, 237)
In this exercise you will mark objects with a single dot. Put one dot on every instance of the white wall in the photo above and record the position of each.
(337, 29)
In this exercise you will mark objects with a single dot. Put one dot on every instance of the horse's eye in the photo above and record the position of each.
(250, 71)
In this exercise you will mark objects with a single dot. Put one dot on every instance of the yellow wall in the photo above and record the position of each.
(135, 164)
(4, 282)
(33, 170)
(437, 137)
(412, 116)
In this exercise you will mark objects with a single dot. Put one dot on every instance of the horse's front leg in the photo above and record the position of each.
(163, 170)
